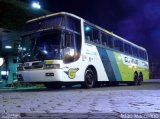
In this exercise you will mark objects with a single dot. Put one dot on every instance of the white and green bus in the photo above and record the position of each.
(62, 48)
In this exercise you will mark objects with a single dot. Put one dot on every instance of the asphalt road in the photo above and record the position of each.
(104, 102)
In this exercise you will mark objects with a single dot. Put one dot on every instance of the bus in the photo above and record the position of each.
(62, 48)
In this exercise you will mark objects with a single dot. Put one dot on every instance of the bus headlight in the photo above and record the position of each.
(52, 66)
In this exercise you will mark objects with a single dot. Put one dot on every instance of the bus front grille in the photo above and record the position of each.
(35, 65)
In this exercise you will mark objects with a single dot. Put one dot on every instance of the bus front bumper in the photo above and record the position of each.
(49, 75)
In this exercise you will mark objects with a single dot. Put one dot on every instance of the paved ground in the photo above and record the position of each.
(105, 102)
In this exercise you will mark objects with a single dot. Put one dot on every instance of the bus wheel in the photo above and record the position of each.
(135, 82)
(136, 79)
(89, 78)
(51, 85)
(140, 78)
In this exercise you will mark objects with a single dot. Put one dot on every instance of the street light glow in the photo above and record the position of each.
(1, 61)
(45, 51)
(8, 47)
(36, 5)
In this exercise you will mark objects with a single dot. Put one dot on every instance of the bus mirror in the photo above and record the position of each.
(68, 54)
(69, 51)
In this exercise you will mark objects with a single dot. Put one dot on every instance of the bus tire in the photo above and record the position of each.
(135, 80)
(89, 79)
(140, 78)
(51, 85)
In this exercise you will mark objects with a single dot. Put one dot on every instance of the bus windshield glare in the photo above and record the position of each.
(41, 46)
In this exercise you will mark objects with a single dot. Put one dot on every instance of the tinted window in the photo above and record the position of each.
(141, 54)
(145, 55)
(121, 45)
(96, 36)
(54, 21)
(88, 32)
(110, 42)
(73, 24)
(44, 46)
(91, 34)
(104, 38)
(118, 45)
(127, 48)
(135, 51)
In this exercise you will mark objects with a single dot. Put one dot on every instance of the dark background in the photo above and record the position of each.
(135, 20)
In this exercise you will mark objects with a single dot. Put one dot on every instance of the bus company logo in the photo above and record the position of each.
(72, 73)
(129, 60)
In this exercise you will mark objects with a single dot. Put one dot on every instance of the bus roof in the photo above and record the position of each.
(102, 29)
(54, 14)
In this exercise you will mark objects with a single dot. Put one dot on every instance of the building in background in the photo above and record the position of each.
(14, 14)
(154, 68)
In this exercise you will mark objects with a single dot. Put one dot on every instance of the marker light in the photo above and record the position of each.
(87, 28)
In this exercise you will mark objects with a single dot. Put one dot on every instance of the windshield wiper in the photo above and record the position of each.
(39, 55)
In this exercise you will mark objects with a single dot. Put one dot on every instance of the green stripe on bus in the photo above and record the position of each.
(127, 71)
(116, 70)
(114, 64)
(106, 63)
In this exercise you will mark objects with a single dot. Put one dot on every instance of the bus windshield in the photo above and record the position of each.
(54, 21)
(41, 46)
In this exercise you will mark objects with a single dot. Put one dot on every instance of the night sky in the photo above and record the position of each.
(135, 20)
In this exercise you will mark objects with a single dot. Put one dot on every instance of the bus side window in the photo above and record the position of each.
(121, 45)
(110, 42)
(104, 39)
(127, 48)
(88, 33)
(136, 51)
(96, 36)
(73, 24)
(116, 45)
(141, 54)
(145, 55)
(133, 50)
